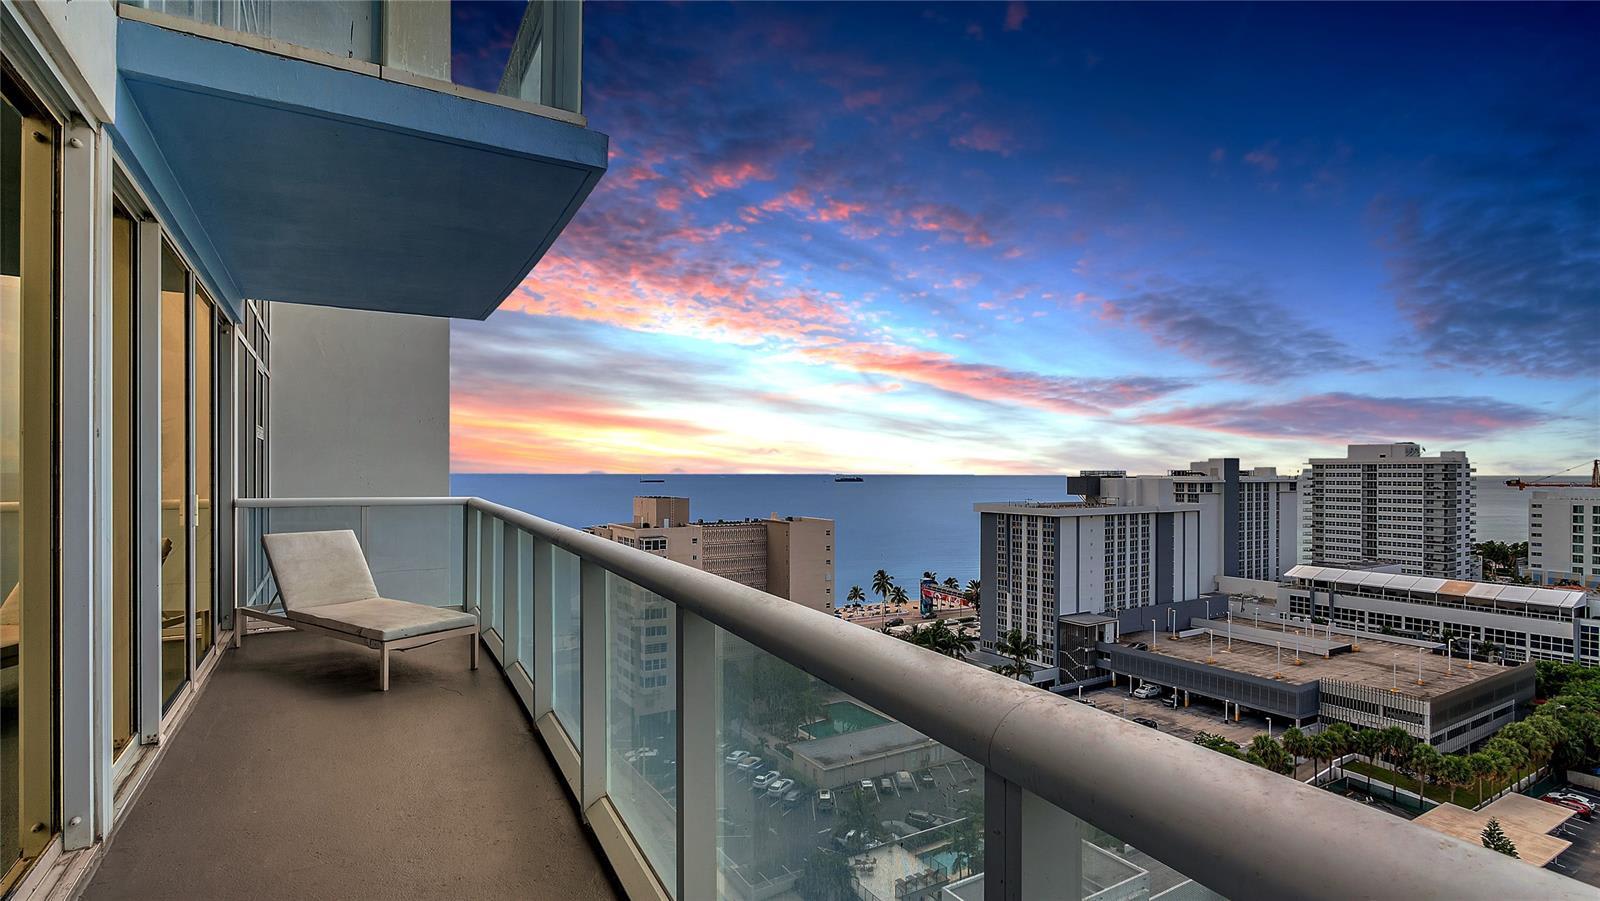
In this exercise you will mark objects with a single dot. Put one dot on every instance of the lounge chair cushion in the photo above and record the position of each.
(382, 619)
(313, 569)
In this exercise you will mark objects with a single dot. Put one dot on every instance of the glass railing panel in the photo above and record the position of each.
(493, 554)
(542, 63)
(415, 553)
(352, 29)
(642, 720)
(523, 602)
(566, 641)
(865, 807)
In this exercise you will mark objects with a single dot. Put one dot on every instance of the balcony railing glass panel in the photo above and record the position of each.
(863, 804)
(566, 606)
(352, 29)
(642, 719)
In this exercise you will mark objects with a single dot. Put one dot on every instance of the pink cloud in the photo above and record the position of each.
(1264, 157)
(986, 139)
(944, 219)
(1338, 416)
(1016, 14)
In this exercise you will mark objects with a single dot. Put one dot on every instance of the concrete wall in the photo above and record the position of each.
(81, 38)
(360, 403)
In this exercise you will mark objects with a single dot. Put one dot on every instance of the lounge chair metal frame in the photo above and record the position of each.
(244, 613)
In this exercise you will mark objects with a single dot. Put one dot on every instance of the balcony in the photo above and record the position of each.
(641, 678)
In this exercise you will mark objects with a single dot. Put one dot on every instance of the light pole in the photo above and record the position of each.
(1230, 630)
(1419, 664)
(1269, 727)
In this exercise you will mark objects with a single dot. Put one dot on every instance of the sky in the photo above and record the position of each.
(1034, 238)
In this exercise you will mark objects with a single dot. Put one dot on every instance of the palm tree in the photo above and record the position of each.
(1017, 647)
(882, 584)
(856, 595)
(898, 595)
(944, 640)
(1264, 751)
(929, 575)
(1341, 740)
(952, 583)
(1297, 744)
(1425, 762)
(974, 589)
(1456, 772)
(1321, 749)
(1484, 766)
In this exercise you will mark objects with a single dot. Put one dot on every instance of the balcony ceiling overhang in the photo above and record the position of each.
(289, 180)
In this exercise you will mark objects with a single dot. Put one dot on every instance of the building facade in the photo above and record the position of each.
(1564, 536)
(210, 290)
(1521, 622)
(1040, 561)
(1389, 503)
(1249, 521)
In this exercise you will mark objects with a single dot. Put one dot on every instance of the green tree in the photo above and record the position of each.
(929, 575)
(974, 590)
(1321, 749)
(856, 596)
(1456, 772)
(952, 583)
(1266, 752)
(1495, 839)
(898, 595)
(1017, 648)
(1484, 766)
(1369, 743)
(859, 811)
(1296, 743)
(882, 584)
(966, 836)
(1425, 762)
(1341, 740)
(826, 877)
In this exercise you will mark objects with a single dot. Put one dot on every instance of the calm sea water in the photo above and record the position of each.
(904, 524)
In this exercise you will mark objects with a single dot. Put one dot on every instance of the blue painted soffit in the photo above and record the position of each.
(291, 181)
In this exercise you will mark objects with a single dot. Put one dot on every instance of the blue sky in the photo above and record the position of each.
(1037, 238)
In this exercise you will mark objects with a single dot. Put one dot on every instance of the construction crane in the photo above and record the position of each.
(1544, 482)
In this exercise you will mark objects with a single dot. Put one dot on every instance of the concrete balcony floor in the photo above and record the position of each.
(295, 778)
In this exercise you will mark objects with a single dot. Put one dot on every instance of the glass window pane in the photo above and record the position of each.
(205, 470)
(123, 237)
(174, 474)
(28, 142)
(567, 644)
(642, 720)
(864, 807)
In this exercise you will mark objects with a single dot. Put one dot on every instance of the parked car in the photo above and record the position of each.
(1147, 690)
(922, 819)
(824, 800)
(866, 785)
(748, 765)
(761, 782)
(926, 778)
(885, 785)
(792, 797)
(1571, 796)
(1583, 810)
(897, 621)
(904, 780)
(1146, 721)
(1171, 701)
(780, 787)
(736, 756)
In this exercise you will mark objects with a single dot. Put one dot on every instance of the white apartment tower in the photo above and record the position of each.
(1248, 517)
(1389, 503)
(1564, 536)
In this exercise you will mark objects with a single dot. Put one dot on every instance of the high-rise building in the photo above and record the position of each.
(1564, 536)
(1042, 561)
(1388, 503)
(789, 556)
(1249, 518)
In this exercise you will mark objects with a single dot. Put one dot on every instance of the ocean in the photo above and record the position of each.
(903, 524)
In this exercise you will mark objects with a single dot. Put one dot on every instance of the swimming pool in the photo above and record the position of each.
(841, 717)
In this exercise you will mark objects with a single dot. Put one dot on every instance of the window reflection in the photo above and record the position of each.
(174, 474)
(28, 142)
(123, 292)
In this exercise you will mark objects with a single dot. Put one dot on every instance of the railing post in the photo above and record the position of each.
(1002, 833)
(596, 693)
(698, 712)
(543, 672)
(473, 573)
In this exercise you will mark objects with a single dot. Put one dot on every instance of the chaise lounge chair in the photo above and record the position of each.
(327, 588)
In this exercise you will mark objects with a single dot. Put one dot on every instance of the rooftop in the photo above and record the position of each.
(1377, 663)
(1486, 594)
(1526, 821)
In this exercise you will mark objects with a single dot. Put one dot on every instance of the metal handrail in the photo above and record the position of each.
(1231, 826)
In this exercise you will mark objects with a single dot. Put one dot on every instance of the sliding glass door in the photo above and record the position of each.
(124, 635)
(175, 515)
(29, 158)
